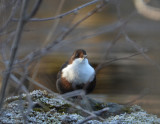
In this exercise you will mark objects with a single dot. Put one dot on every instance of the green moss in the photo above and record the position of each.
(41, 108)
(45, 107)
(127, 110)
(63, 108)
(99, 106)
(11, 100)
(14, 98)
(38, 109)
(59, 109)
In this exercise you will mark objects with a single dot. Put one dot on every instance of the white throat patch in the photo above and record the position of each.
(79, 71)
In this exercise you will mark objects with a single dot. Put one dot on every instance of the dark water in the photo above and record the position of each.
(121, 81)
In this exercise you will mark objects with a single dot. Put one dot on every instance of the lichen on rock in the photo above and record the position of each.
(137, 116)
(47, 108)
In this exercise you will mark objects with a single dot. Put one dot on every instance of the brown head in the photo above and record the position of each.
(80, 53)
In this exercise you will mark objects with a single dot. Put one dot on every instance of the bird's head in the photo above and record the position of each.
(79, 56)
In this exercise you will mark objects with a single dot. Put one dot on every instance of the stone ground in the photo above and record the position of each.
(47, 108)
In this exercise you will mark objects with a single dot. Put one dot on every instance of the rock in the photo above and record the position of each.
(47, 108)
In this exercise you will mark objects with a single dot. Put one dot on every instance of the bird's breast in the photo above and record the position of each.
(78, 74)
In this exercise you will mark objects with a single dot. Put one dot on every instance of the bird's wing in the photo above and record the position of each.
(63, 66)
(89, 87)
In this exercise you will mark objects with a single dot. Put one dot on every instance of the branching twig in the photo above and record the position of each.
(136, 46)
(97, 113)
(142, 94)
(34, 10)
(13, 12)
(23, 88)
(64, 14)
(49, 36)
(102, 65)
(105, 29)
(142, 52)
(3, 46)
(80, 21)
(13, 53)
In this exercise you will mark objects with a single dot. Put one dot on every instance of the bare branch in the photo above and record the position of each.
(13, 12)
(48, 38)
(30, 102)
(3, 47)
(105, 29)
(80, 21)
(64, 14)
(34, 10)
(23, 88)
(142, 52)
(15, 45)
(73, 93)
(142, 94)
(97, 113)
(13, 53)
(41, 52)
(102, 65)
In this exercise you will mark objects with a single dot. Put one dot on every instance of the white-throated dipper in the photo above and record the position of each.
(76, 73)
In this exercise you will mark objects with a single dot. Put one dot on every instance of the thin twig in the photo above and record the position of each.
(28, 97)
(105, 29)
(23, 88)
(34, 10)
(142, 94)
(107, 51)
(142, 52)
(136, 46)
(80, 21)
(102, 65)
(64, 14)
(3, 47)
(48, 38)
(13, 12)
(97, 113)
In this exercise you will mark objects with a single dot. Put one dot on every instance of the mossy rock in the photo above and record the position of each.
(50, 108)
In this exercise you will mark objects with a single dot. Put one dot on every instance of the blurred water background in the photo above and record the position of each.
(119, 82)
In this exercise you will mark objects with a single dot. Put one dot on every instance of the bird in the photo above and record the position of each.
(76, 74)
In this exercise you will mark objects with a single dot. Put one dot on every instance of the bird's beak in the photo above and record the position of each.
(84, 56)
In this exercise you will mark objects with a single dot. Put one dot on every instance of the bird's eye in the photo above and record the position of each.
(76, 55)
